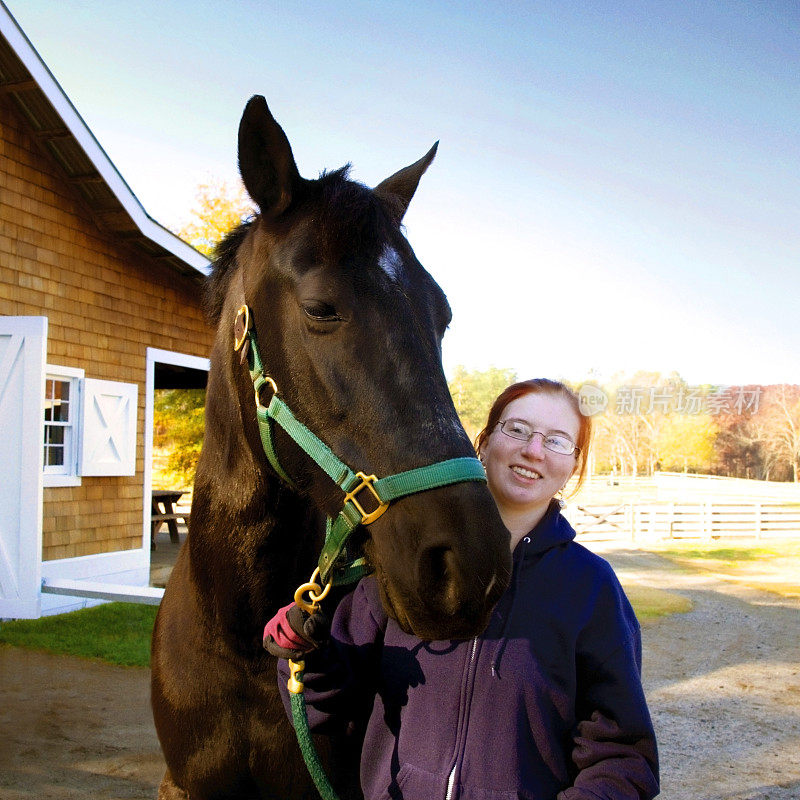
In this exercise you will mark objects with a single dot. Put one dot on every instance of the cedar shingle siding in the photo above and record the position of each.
(106, 303)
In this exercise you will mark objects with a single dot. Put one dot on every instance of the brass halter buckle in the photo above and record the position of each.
(367, 481)
(259, 387)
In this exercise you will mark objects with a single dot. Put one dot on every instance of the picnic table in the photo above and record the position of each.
(163, 510)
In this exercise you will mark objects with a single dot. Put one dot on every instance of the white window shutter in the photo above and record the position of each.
(109, 428)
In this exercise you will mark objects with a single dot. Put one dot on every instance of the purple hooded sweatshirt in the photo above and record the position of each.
(547, 703)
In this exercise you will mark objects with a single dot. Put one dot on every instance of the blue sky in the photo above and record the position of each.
(617, 185)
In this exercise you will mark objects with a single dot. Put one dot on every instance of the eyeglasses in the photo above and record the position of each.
(555, 442)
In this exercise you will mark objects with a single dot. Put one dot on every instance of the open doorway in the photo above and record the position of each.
(180, 379)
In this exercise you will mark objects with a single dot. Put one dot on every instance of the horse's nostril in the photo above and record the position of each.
(440, 578)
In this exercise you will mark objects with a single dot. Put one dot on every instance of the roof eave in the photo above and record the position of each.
(74, 123)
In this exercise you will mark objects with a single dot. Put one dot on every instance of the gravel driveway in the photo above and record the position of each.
(723, 682)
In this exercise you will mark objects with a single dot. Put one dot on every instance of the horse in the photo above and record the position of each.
(349, 328)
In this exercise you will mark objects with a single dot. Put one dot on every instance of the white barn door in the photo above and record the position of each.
(23, 358)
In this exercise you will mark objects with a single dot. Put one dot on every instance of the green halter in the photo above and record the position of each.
(335, 564)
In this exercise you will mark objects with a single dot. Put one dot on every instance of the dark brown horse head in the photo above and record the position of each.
(349, 326)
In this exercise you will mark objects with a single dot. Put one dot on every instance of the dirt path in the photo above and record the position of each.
(723, 683)
(73, 729)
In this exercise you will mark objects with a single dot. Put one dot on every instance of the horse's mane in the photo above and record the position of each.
(222, 269)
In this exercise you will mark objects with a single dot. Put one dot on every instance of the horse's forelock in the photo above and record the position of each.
(351, 218)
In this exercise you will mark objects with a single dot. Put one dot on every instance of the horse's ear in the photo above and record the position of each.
(266, 162)
(400, 187)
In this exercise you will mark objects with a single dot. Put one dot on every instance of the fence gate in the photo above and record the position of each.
(23, 344)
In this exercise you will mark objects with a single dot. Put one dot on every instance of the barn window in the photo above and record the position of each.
(89, 427)
(62, 398)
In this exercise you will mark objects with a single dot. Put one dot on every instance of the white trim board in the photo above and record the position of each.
(157, 356)
(127, 570)
(117, 592)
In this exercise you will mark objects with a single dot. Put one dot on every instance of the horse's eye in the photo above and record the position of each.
(320, 311)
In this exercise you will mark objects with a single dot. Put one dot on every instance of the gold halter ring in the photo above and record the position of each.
(316, 593)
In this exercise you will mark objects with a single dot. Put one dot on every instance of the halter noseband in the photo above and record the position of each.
(334, 563)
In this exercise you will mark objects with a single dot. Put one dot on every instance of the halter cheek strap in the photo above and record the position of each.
(334, 563)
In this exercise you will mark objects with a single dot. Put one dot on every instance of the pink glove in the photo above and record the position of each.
(292, 633)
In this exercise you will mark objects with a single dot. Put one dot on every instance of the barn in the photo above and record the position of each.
(99, 307)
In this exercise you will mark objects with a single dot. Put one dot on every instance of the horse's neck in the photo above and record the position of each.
(251, 537)
(244, 564)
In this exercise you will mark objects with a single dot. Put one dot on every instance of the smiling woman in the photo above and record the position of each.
(549, 702)
(534, 441)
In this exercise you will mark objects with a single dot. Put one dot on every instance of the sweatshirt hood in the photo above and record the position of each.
(551, 530)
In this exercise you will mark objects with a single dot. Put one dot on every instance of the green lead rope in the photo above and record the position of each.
(313, 764)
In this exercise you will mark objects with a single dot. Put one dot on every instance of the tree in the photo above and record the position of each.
(761, 438)
(654, 421)
(686, 442)
(782, 426)
(219, 207)
(624, 440)
(739, 449)
(474, 392)
(179, 424)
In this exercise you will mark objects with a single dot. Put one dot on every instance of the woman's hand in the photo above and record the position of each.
(292, 632)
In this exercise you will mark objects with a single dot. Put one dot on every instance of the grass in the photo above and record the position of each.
(650, 604)
(731, 555)
(773, 567)
(118, 633)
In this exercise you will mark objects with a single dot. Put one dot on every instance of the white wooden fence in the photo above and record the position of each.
(700, 520)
